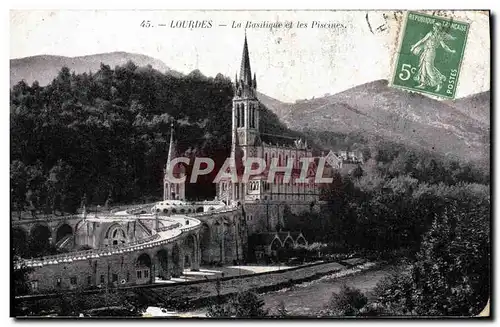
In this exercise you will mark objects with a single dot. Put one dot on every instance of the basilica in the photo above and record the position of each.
(264, 202)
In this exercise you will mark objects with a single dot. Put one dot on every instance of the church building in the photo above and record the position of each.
(265, 203)
(246, 142)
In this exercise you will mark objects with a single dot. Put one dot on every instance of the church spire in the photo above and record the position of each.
(171, 148)
(245, 71)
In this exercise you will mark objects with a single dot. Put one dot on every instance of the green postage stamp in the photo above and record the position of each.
(430, 54)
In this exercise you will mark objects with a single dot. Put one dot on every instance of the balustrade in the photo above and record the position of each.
(147, 242)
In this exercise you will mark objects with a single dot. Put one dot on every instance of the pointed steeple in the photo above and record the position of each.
(254, 85)
(171, 148)
(245, 71)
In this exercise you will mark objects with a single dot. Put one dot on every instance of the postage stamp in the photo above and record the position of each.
(430, 54)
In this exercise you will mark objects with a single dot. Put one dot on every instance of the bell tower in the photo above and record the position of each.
(245, 104)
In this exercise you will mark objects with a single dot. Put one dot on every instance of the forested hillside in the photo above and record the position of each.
(106, 134)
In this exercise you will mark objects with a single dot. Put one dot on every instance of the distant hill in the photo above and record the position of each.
(456, 128)
(477, 106)
(409, 118)
(44, 68)
(276, 106)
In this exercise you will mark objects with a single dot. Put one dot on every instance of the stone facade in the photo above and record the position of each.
(125, 269)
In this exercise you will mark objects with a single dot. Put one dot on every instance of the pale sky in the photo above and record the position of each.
(290, 63)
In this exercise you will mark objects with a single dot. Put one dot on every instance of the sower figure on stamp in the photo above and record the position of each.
(428, 74)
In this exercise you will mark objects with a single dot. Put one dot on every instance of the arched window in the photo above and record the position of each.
(238, 115)
(252, 117)
(118, 236)
(242, 123)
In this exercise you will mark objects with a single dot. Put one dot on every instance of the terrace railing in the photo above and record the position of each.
(147, 242)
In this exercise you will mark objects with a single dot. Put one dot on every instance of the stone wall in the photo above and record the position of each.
(197, 293)
(223, 238)
(264, 216)
(165, 261)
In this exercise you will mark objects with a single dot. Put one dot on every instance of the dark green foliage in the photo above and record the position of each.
(106, 134)
(249, 305)
(348, 302)
(107, 303)
(20, 277)
(220, 310)
(451, 273)
(378, 212)
(392, 160)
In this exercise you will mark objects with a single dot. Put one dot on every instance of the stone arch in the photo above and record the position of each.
(199, 209)
(107, 234)
(174, 211)
(182, 210)
(301, 240)
(19, 241)
(276, 244)
(63, 231)
(143, 269)
(116, 235)
(161, 264)
(165, 211)
(288, 243)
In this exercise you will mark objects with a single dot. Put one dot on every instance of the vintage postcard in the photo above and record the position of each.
(250, 164)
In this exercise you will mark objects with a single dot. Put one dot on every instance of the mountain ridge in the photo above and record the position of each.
(43, 68)
(397, 115)
(459, 127)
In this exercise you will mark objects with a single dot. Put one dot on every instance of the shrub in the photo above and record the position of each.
(242, 305)
(348, 302)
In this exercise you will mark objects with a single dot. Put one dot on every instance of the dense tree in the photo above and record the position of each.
(348, 302)
(18, 184)
(450, 275)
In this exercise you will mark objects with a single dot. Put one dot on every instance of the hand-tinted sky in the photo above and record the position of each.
(290, 64)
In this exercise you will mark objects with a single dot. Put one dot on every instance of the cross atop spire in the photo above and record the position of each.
(245, 71)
